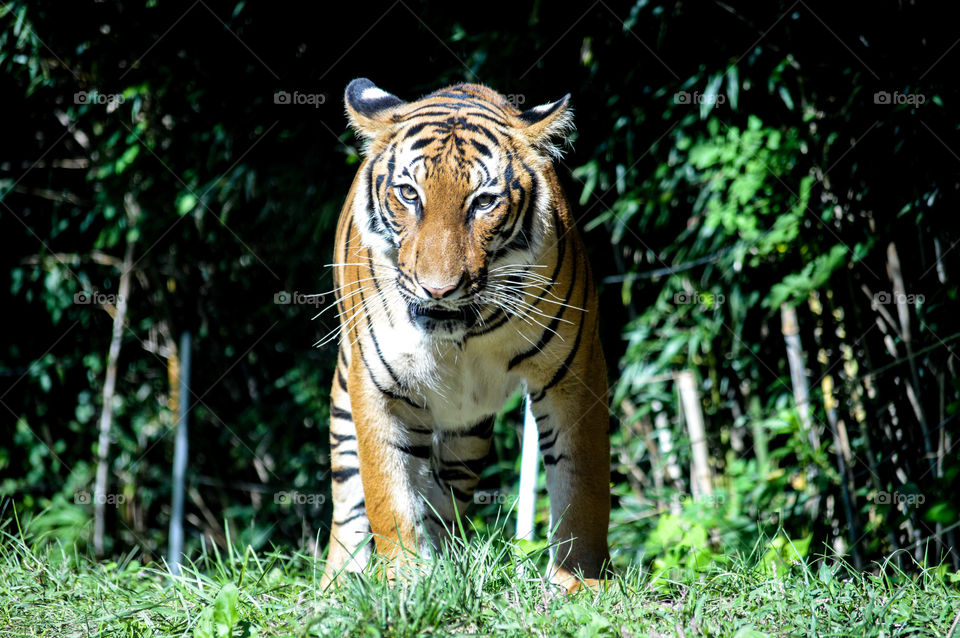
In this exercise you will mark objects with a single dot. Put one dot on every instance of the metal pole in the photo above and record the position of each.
(175, 550)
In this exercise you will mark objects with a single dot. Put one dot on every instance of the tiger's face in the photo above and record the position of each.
(452, 191)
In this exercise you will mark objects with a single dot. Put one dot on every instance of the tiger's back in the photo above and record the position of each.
(461, 277)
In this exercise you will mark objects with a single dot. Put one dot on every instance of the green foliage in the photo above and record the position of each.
(730, 191)
(219, 619)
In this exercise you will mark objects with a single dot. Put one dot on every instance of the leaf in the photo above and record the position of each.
(785, 96)
(186, 203)
(733, 86)
(219, 619)
(225, 612)
(126, 159)
(941, 512)
(710, 96)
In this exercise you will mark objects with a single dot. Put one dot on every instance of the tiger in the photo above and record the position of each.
(461, 278)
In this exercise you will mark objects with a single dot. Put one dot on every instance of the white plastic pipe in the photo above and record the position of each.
(529, 464)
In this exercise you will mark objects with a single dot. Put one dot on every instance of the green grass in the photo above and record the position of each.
(486, 586)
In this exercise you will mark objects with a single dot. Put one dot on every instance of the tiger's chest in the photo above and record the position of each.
(457, 385)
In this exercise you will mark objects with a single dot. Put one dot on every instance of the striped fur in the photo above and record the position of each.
(461, 278)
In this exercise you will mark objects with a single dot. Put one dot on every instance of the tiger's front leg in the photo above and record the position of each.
(394, 468)
(573, 427)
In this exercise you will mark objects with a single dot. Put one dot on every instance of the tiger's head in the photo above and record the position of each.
(453, 186)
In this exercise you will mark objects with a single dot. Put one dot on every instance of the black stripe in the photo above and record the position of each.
(345, 474)
(418, 451)
(521, 240)
(466, 99)
(483, 429)
(376, 343)
(340, 413)
(424, 141)
(483, 130)
(475, 466)
(549, 459)
(509, 182)
(376, 223)
(435, 519)
(416, 128)
(482, 148)
(564, 368)
(451, 107)
(351, 518)
(547, 444)
(358, 510)
(382, 390)
(550, 330)
(338, 284)
(573, 351)
(460, 495)
(561, 247)
(341, 438)
(436, 477)
(488, 327)
(376, 283)
(457, 475)
(341, 381)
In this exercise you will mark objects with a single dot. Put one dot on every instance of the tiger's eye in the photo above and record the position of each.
(482, 202)
(408, 193)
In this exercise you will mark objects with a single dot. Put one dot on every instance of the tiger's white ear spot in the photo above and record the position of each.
(370, 108)
(547, 124)
(373, 93)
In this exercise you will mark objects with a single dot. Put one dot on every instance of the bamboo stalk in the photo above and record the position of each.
(798, 376)
(843, 454)
(667, 469)
(106, 416)
(700, 476)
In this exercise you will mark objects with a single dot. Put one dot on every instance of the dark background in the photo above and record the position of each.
(800, 186)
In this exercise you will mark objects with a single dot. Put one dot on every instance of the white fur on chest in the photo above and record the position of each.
(459, 386)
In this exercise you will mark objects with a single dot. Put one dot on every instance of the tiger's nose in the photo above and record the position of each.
(440, 292)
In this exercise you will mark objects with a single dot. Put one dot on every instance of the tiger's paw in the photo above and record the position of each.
(571, 584)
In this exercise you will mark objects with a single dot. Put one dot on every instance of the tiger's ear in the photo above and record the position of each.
(370, 108)
(546, 125)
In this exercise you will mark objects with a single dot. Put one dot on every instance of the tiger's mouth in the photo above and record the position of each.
(440, 318)
(437, 313)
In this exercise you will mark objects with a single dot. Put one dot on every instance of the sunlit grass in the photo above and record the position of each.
(486, 585)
